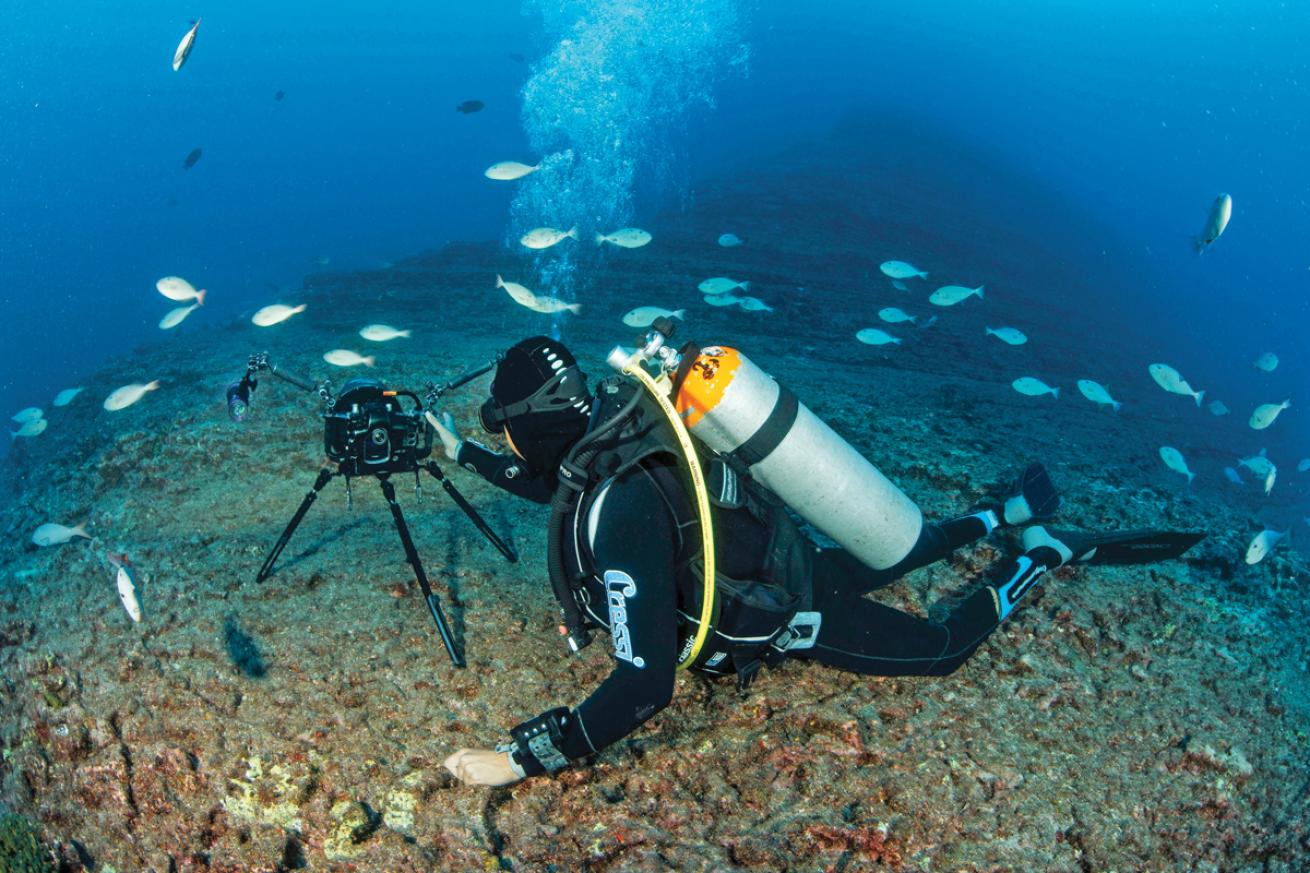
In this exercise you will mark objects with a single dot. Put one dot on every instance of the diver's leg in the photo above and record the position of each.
(862, 636)
(1033, 497)
(936, 541)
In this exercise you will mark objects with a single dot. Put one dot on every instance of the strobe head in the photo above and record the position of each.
(238, 399)
(368, 431)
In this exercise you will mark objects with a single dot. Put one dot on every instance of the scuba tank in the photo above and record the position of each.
(737, 409)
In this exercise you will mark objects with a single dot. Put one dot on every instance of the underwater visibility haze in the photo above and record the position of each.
(1035, 274)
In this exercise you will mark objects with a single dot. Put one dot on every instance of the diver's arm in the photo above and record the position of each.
(503, 471)
(633, 549)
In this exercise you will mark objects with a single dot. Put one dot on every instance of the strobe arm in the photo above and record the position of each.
(434, 392)
(292, 378)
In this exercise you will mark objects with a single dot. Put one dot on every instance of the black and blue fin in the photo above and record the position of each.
(1116, 547)
(1032, 497)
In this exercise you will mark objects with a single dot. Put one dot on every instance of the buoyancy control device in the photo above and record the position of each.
(738, 411)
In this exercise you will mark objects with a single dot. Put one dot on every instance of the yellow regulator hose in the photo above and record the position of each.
(634, 368)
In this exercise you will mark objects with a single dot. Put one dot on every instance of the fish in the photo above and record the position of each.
(932, 319)
(1170, 380)
(551, 305)
(1233, 476)
(874, 336)
(124, 397)
(521, 295)
(949, 295)
(125, 580)
(729, 240)
(517, 58)
(65, 397)
(1008, 335)
(1217, 407)
(508, 171)
(23, 416)
(721, 285)
(279, 95)
(32, 428)
(1220, 212)
(347, 358)
(901, 270)
(893, 315)
(1098, 393)
(626, 238)
(468, 107)
(1257, 463)
(192, 159)
(545, 305)
(275, 314)
(51, 534)
(1303, 465)
(1263, 543)
(545, 237)
(184, 47)
(1034, 387)
(179, 289)
(1265, 414)
(380, 333)
(644, 316)
(722, 299)
(753, 304)
(323, 260)
(899, 285)
(1173, 459)
(175, 316)
(1269, 480)
(1267, 362)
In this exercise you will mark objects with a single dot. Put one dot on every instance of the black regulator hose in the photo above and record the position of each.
(572, 481)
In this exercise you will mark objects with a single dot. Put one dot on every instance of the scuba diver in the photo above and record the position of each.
(627, 544)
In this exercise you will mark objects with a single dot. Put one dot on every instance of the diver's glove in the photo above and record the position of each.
(444, 425)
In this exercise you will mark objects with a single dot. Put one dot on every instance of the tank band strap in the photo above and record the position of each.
(762, 443)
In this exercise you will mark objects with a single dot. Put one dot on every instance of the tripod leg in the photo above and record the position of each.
(324, 476)
(478, 521)
(411, 555)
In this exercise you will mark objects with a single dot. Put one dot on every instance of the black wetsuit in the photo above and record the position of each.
(638, 529)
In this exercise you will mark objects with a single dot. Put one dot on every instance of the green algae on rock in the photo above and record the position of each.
(21, 849)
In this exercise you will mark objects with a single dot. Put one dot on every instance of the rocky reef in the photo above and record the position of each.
(1140, 718)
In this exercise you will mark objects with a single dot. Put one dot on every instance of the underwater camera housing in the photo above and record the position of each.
(368, 431)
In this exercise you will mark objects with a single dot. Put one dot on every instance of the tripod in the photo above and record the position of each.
(411, 554)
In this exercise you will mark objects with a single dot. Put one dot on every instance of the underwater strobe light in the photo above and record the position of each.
(238, 399)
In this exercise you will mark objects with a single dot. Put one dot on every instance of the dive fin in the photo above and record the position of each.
(1115, 547)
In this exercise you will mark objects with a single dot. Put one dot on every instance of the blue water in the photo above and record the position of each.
(1134, 114)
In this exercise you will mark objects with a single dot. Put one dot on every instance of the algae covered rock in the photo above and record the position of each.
(21, 849)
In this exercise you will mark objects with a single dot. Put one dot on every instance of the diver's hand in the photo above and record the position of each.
(444, 425)
(481, 767)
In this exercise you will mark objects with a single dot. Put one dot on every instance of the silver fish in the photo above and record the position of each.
(184, 47)
(1220, 212)
(125, 579)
